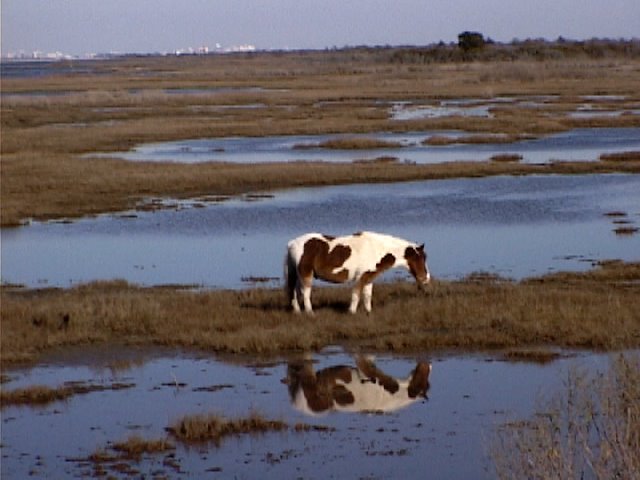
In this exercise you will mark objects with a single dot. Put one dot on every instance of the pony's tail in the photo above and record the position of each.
(290, 275)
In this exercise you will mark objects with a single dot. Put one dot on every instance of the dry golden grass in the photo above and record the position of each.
(135, 446)
(442, 140)
(41, 395)
(596, 310)
(118, 459)
(351, 143)
(506, 157)
(214, 428)
(624, 156)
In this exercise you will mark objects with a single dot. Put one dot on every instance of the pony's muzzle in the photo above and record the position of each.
(423, 283)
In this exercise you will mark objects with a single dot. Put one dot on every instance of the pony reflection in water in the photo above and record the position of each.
(359, 258)
(363, 388)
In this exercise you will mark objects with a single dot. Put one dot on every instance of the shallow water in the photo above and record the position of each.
(512, 226)
(447, 435)
(581, 144)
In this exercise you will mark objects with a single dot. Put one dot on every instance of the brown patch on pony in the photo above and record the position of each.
(419, 383)
(321, 390)
(317, 260)
(416, 259)
(385, 263)
(372, 372)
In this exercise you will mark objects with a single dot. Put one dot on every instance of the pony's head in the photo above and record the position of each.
(417, 260)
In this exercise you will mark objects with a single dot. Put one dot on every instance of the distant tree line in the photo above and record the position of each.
(473, 46)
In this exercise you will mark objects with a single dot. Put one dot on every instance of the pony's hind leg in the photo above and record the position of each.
(293, 287)
(306, 296)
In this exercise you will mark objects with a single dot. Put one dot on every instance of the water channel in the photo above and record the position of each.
(586, 144)
(447, 435)
(511, 226)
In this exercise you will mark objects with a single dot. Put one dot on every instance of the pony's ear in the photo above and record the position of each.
(421, 248)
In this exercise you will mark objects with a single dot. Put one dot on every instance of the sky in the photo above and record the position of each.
(143, 26)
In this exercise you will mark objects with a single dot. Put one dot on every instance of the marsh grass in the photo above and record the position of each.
(214, 428)
(596, 310)
(122, 458)
(119, 458)
(39, 395)
(506, 157)
(539, 355)
(589, 429)
(350, 143)
(624, 156)
(47, 186)
(125, 102)
(135, 446)
(443, 140)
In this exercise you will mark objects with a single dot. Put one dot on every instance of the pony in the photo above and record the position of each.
(360, 388)
(359, 258)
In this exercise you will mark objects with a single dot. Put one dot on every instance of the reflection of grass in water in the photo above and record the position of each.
(590, 429)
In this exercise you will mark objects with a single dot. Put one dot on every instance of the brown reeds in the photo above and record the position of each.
(596, 309)
(590, 429)
(135, 446)
(214, 428)
(350, 143)
(39, 395)
(631, 156)
(443, 140)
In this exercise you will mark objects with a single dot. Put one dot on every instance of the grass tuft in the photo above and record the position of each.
(214, 428)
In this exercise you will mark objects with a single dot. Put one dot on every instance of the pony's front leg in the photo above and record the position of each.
(355, 299)
(367, 292)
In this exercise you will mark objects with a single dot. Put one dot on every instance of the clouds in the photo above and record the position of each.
(81, 26)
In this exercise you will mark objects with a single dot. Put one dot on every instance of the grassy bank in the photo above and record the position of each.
(595, 310)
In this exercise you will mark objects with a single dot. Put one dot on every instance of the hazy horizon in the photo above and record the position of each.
(80, 27)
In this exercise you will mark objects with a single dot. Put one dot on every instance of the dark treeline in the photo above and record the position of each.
(531, 49)
(473, 46)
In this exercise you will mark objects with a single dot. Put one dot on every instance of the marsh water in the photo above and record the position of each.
(510, 226)
(584, 144)
(447, 435)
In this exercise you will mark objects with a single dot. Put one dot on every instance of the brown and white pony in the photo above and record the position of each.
(363, 388)
(357, 258)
